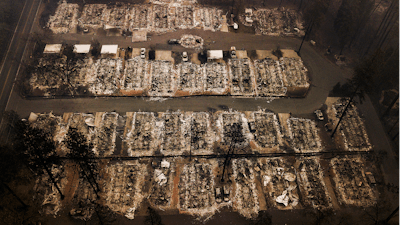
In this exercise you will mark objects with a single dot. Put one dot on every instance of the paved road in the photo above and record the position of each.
(324, 75)
(16, 50)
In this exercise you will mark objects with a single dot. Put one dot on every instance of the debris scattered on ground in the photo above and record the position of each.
(141, 136)
(196, 189)
(105, 135)
(268, 77)
(191, 78)
(304, 135)
(266, 129)
(158, 17)
(65, 18)
(163, 78)
(216, 78)
(191, 41)
(312, 186)
(123, 190)
(277, 21)
(278, 179)
(351, 183)
(162, 183)
(233, 129)
(246, 197)
(351, 128)
(47, 193)
(242, 77)
(53, 75)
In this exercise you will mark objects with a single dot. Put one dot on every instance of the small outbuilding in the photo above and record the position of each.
(82, 48)
(52, 48)
(215, 54)
(109, 50)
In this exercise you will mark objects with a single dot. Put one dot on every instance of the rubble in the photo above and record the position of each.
(196, 189)
(135, 77)
(173, 1)
(294, 73)
(84, 123)
(191, 78)
(266, 129)
(65, 18)
(311, 184)
(162, 184)
(115, 16)
(216, 78)
(54, 75)
(123, 190)
(83, 201)
(304, 134)
(278, 179)
(208, 18)
(105, 76)
(268, 77)
(181, 17)
(104, 135)
(172, 140)
(277, 21)
(48, 74)
(46, 192)
(246, 196)
(139, 18)
(48, 123)
(352, 187)
(241, 75)
(352, 128)
(234, 129)
(141, 137)
(92, 16)
(163, 78)
(200, 134)
(191, 41)
(160, 18)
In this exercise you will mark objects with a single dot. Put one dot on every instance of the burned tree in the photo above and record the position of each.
(81, 153)
(359, 84)
(39, 150)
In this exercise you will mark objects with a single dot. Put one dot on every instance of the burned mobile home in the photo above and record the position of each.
(183, 175)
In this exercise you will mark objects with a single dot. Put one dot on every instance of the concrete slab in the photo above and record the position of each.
(262, 54)
(164, 55)
(290, 53)
(139, 36)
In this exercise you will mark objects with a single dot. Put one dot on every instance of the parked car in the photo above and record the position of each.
(319, 114)
(185, 57)
(142, 53)
(233, 52)
(173, 41)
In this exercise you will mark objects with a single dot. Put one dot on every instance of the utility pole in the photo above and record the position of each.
(308, 30)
